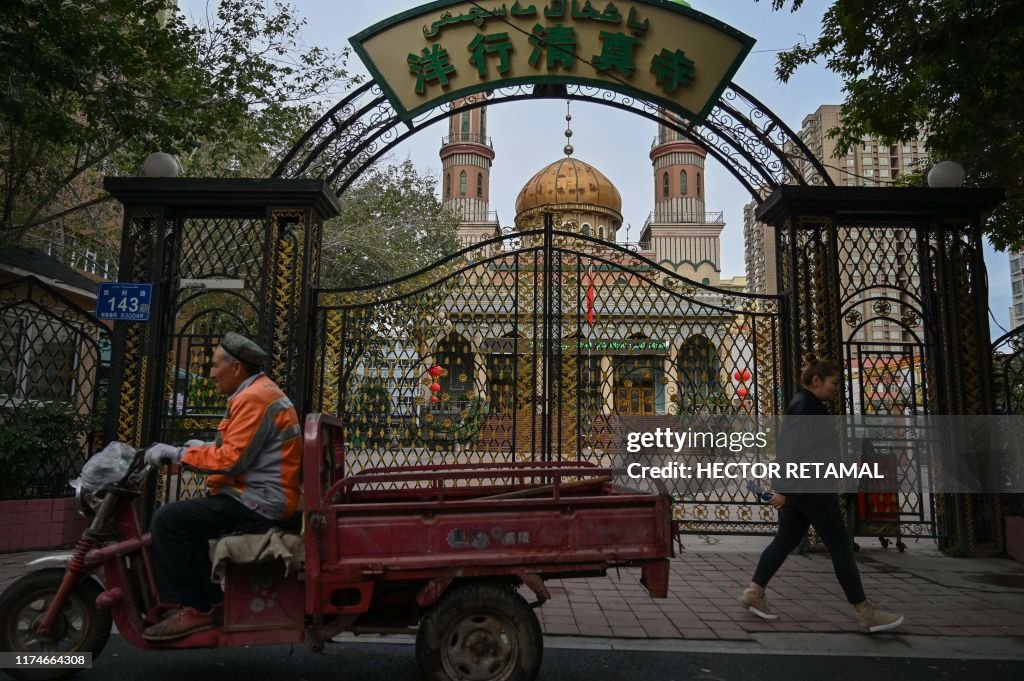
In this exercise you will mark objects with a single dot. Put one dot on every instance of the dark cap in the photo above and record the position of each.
(243, 349)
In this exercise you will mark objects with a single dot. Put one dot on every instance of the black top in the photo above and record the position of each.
(806, 404)
(805, 439)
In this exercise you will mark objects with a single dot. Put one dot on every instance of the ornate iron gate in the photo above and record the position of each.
(546, 345)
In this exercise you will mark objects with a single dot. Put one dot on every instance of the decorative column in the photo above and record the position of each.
(817, 270)
(256, 240)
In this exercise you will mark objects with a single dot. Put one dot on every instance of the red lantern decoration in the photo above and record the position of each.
(435, 387)
(741, 391)
(737, 375)
(435, 372)
(434, 399)
(746, 375)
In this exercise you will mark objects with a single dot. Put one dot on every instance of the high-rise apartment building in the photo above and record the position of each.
(1017, 286)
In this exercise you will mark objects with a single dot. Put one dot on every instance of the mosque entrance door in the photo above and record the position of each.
(635, 401)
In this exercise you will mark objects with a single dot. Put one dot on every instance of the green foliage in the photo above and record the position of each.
(93, 87)
(948, 67)
(391, 224)
(41, 447)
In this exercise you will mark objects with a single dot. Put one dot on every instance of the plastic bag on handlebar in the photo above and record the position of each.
(106, 467)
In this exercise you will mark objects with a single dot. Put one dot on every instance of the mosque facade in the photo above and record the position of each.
(643, 357)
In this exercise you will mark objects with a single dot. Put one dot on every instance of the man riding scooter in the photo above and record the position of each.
(253, 482)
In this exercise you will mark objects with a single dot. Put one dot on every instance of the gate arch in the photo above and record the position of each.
(754, 145)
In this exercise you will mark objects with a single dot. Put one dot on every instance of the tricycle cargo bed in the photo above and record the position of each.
(549, 519)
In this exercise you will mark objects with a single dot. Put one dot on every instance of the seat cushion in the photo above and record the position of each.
(274, 544)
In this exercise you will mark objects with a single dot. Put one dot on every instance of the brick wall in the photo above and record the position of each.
(39, 524)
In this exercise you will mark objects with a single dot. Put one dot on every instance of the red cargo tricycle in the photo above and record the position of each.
(448, 550)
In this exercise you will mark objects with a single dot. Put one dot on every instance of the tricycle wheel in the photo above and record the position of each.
(80, 627)
(479, 632)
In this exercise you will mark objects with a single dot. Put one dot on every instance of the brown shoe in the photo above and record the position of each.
(178, 624)
(217, 611)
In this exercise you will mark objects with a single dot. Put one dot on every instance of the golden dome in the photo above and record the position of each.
(570, 183)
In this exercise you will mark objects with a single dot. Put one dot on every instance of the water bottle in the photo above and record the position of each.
(761, 492)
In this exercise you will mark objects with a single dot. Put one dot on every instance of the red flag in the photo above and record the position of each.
(591, 294)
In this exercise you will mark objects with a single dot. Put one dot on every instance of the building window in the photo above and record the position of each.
(869, 172)
(682, 182)
(480, 184)
(448, 186)
(883, 161)
(664, 184)
(587, 231)
(868, 160)
(462, 183)
(849, 162)
(698, 184)
(465, 126)
(483, 124)
(600, 232)
(1018, 288)
(867, 148)
(1018, 310)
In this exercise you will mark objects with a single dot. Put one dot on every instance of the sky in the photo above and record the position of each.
(529, 135)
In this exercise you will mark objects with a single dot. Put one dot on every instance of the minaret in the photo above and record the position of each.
(679, 231)
(466, 156)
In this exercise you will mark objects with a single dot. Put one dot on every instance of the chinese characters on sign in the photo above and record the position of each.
(555, 45)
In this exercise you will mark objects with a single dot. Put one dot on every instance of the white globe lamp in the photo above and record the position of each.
(946, 174)
(160, 164)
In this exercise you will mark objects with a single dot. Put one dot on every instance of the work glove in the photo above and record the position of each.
(194, 443)
(160, 454)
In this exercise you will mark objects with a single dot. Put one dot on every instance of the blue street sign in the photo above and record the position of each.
(124, 302)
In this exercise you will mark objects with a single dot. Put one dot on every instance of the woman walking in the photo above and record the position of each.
(798, 511)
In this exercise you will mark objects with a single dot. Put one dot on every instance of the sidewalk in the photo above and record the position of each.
(940, 596)
(967, 598)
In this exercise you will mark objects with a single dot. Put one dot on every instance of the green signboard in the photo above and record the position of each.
(663, 53)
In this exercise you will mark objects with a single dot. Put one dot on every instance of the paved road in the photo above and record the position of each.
(394, 662)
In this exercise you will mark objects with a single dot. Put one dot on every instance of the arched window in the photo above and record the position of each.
(479, 184)
(448, 186)
(698, 184)
(465, 126)
(682, 182)
(664, 184)
(483, 124)
(587, 231)
(462, 183)
(600, 232)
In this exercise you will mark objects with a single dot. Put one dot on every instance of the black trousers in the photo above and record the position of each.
(823, 513)
(181, 546)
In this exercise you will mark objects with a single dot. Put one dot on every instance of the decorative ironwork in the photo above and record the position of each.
(519, 373)
(893, 284)
(757, 147)
(54, 368)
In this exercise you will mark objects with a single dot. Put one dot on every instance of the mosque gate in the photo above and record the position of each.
(550, 345)
(524, 366)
